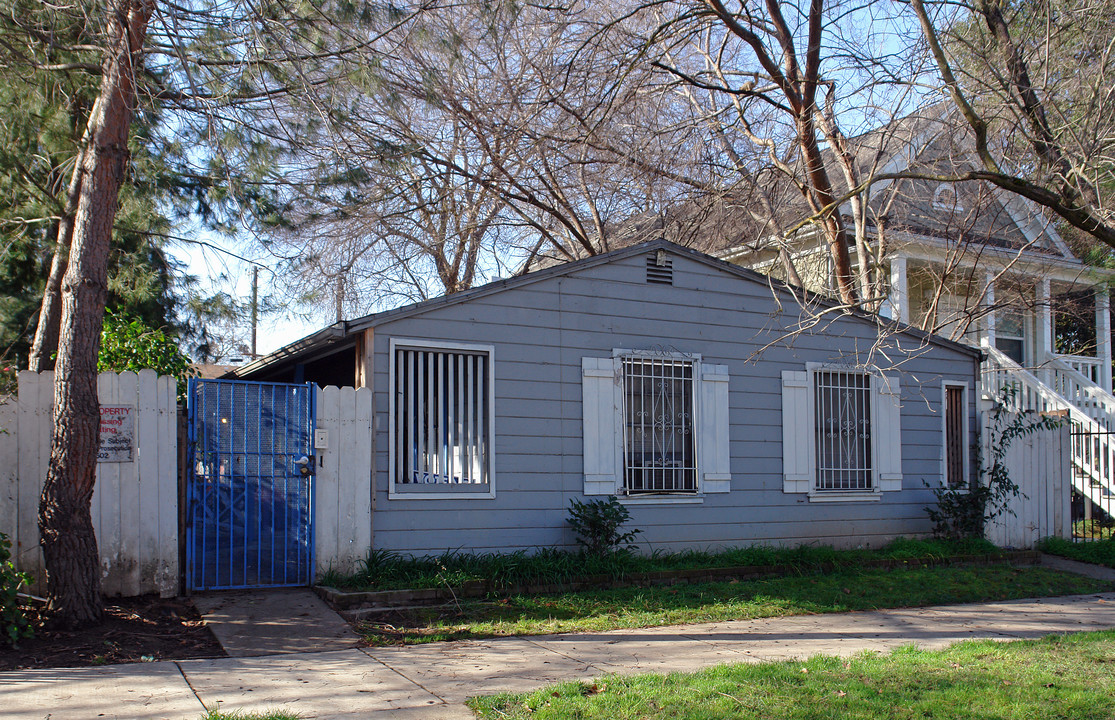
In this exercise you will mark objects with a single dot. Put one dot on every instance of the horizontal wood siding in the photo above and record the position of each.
(541, 332)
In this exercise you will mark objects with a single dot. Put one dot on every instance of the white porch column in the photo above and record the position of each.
(989, 302)
(899, 289)
(1044, 324)
(1043, 329)
(1103, 336)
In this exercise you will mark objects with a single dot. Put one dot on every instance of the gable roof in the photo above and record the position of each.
(932, 141)
(338, 332)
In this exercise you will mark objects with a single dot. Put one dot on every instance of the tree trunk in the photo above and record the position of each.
(50, 312)
(69, 546)
(831, 222)
(1065, 200)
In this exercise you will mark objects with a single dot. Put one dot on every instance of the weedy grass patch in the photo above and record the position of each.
(386, 570)
(218, 714)
(635, 607)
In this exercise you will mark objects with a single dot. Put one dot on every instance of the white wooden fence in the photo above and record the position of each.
(1040, 463)
(135, 504)
(344, 479)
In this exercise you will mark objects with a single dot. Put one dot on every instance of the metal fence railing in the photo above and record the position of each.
(1093, 502)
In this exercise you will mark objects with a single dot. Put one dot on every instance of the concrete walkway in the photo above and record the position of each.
(273, 622)
(1099, 572)
(430, 682)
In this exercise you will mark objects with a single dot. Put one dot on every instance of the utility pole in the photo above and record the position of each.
(255, 309)
(340, 297)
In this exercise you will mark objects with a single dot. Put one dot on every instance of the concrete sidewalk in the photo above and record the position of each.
(430, 682)
(274, 622)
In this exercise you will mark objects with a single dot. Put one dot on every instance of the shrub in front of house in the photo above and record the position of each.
(598, 525)
(14, 625)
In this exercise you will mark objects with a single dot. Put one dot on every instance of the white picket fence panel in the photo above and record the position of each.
(1040, 463)
(344, 482)
(135, 504)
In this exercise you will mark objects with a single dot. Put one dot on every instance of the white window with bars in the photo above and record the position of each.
(841, 432)
(656, 426)
(842, 417)
(658, 434)
(441, 419)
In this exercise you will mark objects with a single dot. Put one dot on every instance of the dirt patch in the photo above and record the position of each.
(142, 629)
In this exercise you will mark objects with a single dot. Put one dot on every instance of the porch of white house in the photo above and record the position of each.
(1013, 311)
(1011, 316)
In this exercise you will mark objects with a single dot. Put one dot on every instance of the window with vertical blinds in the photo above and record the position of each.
(956, 441)
(441, 419)
(659, 454)
(842, 405)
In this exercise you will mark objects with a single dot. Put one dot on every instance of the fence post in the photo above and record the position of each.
(182, 429)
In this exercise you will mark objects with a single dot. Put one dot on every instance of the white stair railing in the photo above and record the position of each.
(1089, 367)
(1093, 449)
(1080, 390)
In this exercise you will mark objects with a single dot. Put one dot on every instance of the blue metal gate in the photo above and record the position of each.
(249, 496)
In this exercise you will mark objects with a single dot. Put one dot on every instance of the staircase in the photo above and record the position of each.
(1059, 388)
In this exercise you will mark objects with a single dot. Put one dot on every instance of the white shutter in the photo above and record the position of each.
(601, 443)
(797, 432)
(712, 429)
(887, 431)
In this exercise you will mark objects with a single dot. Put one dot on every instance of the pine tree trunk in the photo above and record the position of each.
(50, 311)
(69, 545)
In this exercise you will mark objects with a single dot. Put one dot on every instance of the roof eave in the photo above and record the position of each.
(342, 329)
(299, 348)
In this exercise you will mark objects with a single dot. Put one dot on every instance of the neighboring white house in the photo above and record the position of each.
(965, 260)
(978, 265)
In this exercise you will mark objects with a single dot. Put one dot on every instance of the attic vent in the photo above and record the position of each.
(945, 198)
(660, 269)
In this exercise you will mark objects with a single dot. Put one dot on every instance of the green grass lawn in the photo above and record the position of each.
(1099, 552)
(634, 607)
(385, 570)
(1056, 677)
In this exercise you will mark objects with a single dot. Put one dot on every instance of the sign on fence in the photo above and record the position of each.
(117, 434)
(134, 504)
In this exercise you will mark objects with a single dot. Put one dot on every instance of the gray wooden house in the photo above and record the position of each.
(721, 406)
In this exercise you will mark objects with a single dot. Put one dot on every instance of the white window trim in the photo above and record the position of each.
(666, 497)
(837, 496)
(815, 495)
(966, 451)
(679, 499)
(393, 489)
